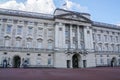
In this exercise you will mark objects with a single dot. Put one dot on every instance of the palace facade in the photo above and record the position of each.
(66, 39)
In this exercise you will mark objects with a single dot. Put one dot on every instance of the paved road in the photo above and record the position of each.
(60, 74)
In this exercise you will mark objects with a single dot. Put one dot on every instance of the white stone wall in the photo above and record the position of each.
(94, 44)
(91, 60)
(60, 60)
(45, 25)
(33, 57)
(107, 45)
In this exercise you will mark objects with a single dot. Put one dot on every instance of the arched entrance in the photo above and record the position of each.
(75, 61)
(113, 62)
(16, 61)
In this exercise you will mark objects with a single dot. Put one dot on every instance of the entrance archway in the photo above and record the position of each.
(113, 62)
(16, 61)
(75, 60)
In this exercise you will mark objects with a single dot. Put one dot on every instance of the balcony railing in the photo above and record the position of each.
(108, 52)
(21, 49)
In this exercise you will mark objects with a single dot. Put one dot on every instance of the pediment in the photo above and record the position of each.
(18, 38)
(7, 37)
(29, 39)
(72, 16)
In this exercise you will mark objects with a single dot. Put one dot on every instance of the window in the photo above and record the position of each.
(49, 61)
(39, 54)
(40, 31)
(93, 36)
(30, 30)
(119, 61)
(29, 45)
(106, 47)
(7, 43)
(0, 28)
(17, 43)
(50, 45)
(101, 61)
(113, 33)
(38, 61)
(111, 38)
(107, 32)
(50, 32)
(27, 61)
(99, 37)
(67, 42)
(9, 29)
(105, 38)
(60, 29)
(74, 40)
(81, 35)
(5, 53)
(28, 54)
(94, 46)
(101, 31)
(117, 48)
(88, 32)
(49, 54)
(39, 44)
(66, 34)
(112, 47)
(108, 61)
(100, 47)
(82, 45)
(19, 29)
(116, 38)
(74, 28)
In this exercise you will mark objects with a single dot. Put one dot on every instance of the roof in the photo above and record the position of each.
(79, 13)
(49, 16)
(105, 25)
(25, 14)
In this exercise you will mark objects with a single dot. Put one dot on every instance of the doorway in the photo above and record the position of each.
(84, 63)
(16, 61)
(75, 60)
(113, 62)
(68, 63)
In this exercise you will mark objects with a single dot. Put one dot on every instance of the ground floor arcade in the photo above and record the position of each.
(57, 60)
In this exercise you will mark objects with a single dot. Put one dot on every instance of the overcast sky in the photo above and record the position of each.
(101, 10)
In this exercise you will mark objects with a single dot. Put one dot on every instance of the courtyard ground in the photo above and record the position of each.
(106, 73)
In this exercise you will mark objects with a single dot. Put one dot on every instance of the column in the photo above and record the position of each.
(78, 37)
(71, 41)
(63, 27)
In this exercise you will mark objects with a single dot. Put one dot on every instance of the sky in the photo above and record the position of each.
(106, 11)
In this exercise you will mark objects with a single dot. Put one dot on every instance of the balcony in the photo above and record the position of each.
(81, 51)
(21, 49)
(107, 52)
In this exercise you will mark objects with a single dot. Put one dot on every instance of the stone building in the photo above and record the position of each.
(66, 39)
